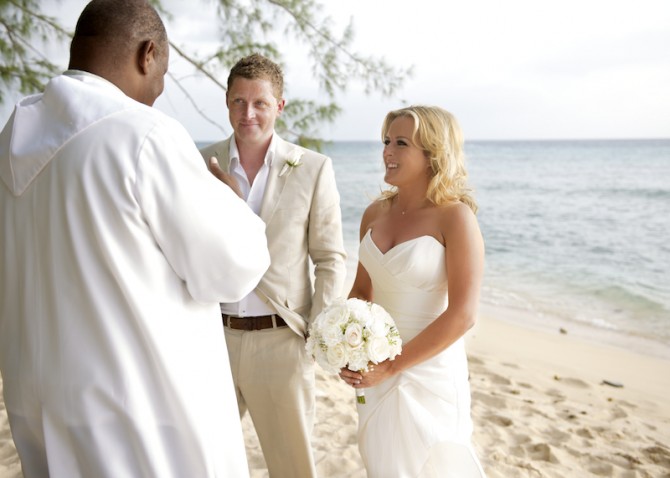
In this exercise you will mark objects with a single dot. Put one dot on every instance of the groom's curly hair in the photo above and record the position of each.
(258, 67)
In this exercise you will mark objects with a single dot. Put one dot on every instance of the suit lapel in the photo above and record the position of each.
(222, 154)
(275, 184)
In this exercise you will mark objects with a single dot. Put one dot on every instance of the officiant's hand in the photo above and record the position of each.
(223, 176)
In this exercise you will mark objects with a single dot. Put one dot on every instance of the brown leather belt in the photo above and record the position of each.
(253, 323)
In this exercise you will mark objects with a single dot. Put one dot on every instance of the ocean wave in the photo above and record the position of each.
(636, 302)
(628, 192)
(614, 308)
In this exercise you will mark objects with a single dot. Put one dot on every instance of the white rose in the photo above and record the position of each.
(380, 314)
(358, 359)
(332, 336)
(337, 357)
(378, 349)
(396, 349)
(359, 309)
(377, 310)
(330, 323)
(376, 325)
(335, 315)
(353, 334)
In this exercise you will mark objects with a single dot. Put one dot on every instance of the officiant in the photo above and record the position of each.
(116, 249)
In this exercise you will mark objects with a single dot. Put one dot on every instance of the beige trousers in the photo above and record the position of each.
(274, 381)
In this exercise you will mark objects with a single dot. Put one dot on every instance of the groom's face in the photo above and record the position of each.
(253, 110)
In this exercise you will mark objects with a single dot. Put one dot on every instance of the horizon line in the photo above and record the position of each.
(488, 139)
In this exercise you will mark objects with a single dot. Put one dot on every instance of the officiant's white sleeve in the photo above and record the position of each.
(216, 264)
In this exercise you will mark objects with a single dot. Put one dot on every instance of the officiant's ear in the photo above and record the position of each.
(145, 55)
(152, 61)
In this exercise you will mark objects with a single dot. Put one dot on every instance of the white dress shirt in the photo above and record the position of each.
(251, 305)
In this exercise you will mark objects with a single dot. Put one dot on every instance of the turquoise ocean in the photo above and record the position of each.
(577, 233)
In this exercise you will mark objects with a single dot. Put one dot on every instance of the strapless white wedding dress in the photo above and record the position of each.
(417, 423)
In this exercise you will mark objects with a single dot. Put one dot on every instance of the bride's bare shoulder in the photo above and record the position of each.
(455, 214)
(373, 212)
(376, 208)
(459, 223)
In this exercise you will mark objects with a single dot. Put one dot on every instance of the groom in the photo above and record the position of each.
(293, 190)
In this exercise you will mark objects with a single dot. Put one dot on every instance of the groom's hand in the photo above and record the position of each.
(223, 176)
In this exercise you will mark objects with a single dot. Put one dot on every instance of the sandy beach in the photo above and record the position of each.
(542, 407)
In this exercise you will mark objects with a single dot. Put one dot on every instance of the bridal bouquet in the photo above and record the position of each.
(353, 333)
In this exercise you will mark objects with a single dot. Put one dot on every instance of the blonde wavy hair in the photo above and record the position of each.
(437, 132)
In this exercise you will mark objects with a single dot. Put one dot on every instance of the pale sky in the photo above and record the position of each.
(520, 69)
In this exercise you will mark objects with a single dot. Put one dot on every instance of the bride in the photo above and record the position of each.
(421, 258)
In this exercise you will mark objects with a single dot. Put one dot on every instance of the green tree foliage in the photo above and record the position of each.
(24, 66)
(246, 26)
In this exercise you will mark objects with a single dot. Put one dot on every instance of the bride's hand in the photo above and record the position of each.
(375, 375)
(350, 377)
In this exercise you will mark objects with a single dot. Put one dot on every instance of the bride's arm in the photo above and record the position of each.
(362, 288)
(465, 266)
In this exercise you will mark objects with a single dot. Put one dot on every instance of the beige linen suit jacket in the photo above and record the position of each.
(301, 210)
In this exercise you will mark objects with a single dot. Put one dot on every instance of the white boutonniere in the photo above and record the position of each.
(292, 162)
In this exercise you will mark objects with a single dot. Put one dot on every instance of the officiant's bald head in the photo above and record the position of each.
(125, 42)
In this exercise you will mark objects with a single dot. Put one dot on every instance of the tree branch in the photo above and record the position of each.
(316, 30)
(195, 105)
(48, 20)
(198, 66)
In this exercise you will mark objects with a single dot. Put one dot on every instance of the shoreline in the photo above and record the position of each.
(592, 333)
(571, 353)
(550, 322)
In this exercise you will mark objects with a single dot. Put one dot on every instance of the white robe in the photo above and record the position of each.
(117, 245)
